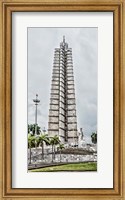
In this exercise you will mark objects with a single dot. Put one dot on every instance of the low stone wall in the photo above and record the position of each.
(68, 155)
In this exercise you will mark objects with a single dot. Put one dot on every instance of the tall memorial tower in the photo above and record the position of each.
(62, 112)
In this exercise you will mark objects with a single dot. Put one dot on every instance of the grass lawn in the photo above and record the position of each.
(92, 166)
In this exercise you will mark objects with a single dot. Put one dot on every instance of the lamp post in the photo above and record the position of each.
(36, 101)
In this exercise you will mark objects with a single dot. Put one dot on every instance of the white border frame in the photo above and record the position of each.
(104, 177)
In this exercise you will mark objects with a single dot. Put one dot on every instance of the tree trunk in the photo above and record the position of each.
(52, 153)
(30, 155)
(60, 155)
(42, 151)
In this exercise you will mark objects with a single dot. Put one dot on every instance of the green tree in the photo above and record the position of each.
(31, 143)
(41, 139)
(94, 137)
(31, 128)
(60, 147)
(54, 141)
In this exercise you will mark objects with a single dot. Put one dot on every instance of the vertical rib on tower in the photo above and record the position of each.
(62, 112)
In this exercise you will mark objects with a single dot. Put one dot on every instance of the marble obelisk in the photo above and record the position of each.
(62, 112)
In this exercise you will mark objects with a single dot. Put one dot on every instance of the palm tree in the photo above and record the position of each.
(43, 138)
(94, 137)
(61, 146)
(31, 141)
(31, 128)
(54, 141)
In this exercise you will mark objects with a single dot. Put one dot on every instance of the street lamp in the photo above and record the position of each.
(36, 101)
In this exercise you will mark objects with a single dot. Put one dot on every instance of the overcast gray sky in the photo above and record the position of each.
(84, 44)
